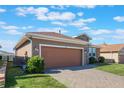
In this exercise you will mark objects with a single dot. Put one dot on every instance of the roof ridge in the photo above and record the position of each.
(55, 33)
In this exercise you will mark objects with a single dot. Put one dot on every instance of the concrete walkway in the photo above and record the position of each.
(78, 77)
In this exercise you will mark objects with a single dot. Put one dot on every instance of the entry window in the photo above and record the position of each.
(92, 52)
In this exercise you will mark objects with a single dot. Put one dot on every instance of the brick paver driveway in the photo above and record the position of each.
(86, 78)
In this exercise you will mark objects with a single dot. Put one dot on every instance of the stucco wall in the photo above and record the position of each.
(22, 49)
(36, 42)
(121, 52)
(110, 56)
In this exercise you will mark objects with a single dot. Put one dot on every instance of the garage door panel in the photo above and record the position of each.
(121, 59)
(61, 57)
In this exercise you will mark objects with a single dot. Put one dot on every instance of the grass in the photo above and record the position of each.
(16, 78)
(112, 68)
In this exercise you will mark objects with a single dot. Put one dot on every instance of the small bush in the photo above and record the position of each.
(92, 60)
(101, 59)
(35, 65)
(0, 57)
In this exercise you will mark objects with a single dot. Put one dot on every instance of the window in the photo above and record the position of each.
(92, 52)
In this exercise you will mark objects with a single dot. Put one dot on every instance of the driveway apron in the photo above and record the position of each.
(81, 77)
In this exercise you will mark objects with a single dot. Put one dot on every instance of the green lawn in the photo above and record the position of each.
(16, 78)
(113, 68)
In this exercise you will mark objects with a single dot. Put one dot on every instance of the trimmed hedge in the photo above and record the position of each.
(35, 65)
(92, 60)
(101, 59)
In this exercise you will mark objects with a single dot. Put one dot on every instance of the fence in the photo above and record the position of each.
(3, 74)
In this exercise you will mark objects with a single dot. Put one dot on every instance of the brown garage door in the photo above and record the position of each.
(61, 57)
(121, 59)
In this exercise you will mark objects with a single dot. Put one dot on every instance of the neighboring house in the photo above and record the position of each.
(57, 49)
(112, 52)
(6, 56)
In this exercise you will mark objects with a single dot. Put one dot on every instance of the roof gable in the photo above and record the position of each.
(51, 36)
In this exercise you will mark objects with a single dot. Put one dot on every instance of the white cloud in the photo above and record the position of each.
(89, 20)
(60, 7)
(9, 27)
(13, 32)
(59, 23)
(119, 18)
(61, 16)
(23, 11)
(107, 34)
(52, 30)
(101, 31)
(85, 28)
(12, 29)
(80, 13)
(119, 31)
(86, 6)
(2, 23)
(43, 13)
(26, 27)
(118, 37)
(82, 22)
(2, 10)
(77, 23)
(8, 45)
(98, 38)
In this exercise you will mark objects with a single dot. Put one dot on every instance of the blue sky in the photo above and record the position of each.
(101, 23)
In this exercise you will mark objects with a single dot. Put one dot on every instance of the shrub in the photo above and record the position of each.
(101, 59)
(35, 65)
(0, 57)
(92, 60)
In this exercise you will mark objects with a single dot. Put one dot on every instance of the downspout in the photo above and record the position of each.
(31, 45)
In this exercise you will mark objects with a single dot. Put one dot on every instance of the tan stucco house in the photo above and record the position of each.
(58, 50)
(112, 52)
